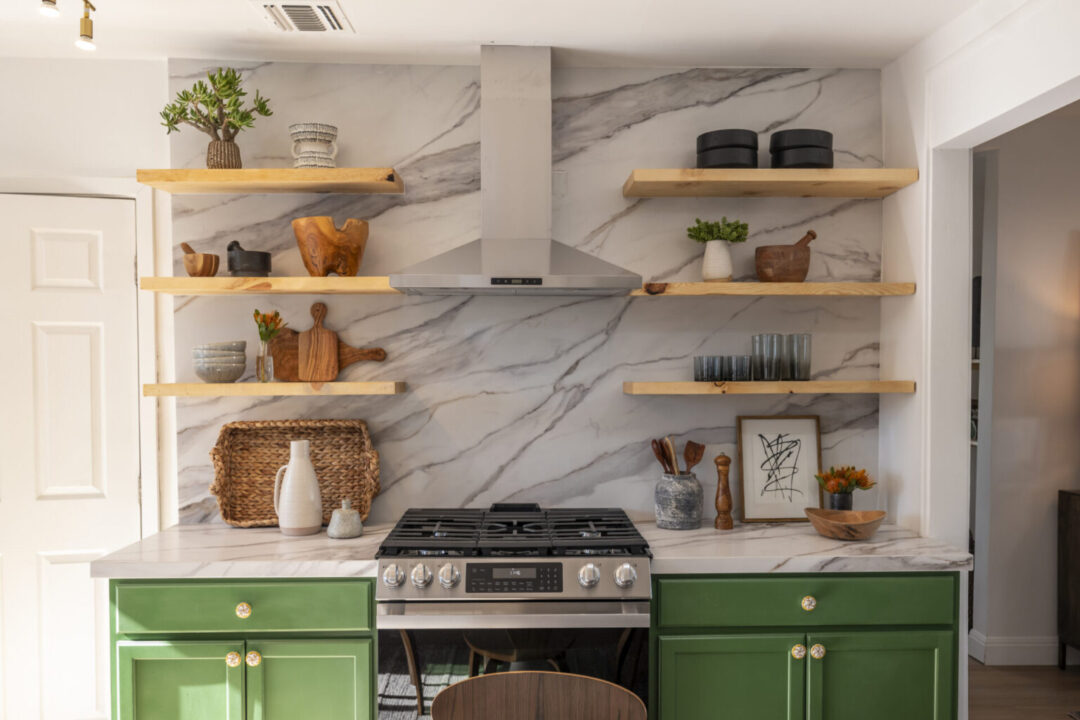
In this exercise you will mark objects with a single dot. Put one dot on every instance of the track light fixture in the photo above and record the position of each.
(86, 28)
(48, 8)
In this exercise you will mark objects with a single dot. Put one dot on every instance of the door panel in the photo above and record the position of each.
(731, 677)
(179, 681)
(882, 675)
(311, 678)
(69, 443)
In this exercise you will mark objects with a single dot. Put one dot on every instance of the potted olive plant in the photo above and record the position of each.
(716, 265)
(216, 107)
(839, 484)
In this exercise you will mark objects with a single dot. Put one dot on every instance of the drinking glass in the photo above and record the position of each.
(742, 368)
(787, 354)
(713, 371)
(773, 350)
(799, 344)
(727, 368)
(701, 371)
(757, 353)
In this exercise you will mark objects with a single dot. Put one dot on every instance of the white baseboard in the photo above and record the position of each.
(1003, 650)
(977, 646)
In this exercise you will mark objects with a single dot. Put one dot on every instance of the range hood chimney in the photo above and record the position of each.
(515, 254)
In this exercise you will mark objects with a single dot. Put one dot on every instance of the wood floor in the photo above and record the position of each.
(1022, 693)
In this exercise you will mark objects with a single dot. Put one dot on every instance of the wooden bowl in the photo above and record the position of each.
(201, 264)
(845, 524)
(326, 249)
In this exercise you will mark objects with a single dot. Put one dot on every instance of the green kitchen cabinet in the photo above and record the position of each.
(179, 680)
(894, 675)
(749, 677)
(310, 678)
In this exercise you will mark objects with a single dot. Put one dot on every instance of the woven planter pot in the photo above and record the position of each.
(223, 155)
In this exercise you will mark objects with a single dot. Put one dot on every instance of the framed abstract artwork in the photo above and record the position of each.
(778, 458)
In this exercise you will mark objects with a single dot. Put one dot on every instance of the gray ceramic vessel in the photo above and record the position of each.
(679, 502)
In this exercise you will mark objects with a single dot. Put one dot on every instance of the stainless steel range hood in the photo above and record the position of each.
(515, 255)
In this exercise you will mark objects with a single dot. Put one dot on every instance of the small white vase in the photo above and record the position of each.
(297, 500)
(716, 265)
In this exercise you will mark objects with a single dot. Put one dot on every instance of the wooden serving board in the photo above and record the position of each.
(285, 349)
(317, 350)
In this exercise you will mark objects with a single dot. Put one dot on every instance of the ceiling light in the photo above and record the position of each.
(86, 29)
(48, 8)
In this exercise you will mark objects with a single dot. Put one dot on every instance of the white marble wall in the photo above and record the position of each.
(521, 398)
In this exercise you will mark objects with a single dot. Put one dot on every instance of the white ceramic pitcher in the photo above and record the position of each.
(297, 501)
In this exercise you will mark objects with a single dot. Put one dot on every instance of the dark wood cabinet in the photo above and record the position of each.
(1068, 572)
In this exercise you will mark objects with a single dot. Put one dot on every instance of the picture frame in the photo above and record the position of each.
(779, 455)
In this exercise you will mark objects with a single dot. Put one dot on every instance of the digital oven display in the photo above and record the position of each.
(513, 578)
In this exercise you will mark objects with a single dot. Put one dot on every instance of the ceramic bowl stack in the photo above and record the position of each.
(220, 362)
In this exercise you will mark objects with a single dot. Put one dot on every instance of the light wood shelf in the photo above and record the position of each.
(271, 389)
(368, 285)
(767, 182)
(200, 181)
(839, 289)
(811, 387)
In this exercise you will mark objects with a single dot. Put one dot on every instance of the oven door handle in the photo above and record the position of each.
(426, 615)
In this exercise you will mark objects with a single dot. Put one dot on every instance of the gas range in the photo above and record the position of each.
(513, 560)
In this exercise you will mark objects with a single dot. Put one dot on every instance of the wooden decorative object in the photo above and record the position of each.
(845, 524)
(318, 350)
(199, 264)
(784, 263)
(248, 453)
(724, 520)
(285, 349)
(527, 695)
(326, 249)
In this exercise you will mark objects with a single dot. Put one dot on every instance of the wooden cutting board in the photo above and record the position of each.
(318, 350)
(285, 349)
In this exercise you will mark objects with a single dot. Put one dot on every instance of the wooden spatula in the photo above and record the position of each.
(670, 447)
(318, 350)
(693, 454)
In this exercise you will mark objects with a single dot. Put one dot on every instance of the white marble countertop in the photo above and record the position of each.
(194, 551)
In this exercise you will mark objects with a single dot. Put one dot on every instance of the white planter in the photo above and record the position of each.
(716, 265)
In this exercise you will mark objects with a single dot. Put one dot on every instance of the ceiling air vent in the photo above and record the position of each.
(324, 16)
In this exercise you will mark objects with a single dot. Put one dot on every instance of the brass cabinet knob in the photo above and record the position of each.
(253, 659)
(809, 603)
(233, 659)
(798, 652)
(243, 611)
(817, 651)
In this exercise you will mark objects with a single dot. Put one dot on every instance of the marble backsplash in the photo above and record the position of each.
(520, 399)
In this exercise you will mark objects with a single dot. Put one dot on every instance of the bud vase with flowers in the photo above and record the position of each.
(269, 325)
(839, 484)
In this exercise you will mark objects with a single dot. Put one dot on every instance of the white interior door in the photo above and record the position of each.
(69, 448)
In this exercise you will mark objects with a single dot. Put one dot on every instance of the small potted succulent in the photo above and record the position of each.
(716, 265)
(269, 325)
(839, 484)
(216, 107)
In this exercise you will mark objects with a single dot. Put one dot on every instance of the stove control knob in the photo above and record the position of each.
(393, 576)
(420, 576)
(625, 575)
(449, 576)
(588, 575)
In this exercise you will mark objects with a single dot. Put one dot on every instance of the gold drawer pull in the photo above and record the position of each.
(233, 659)
(253, 659)
(817, 651)
(809, 603)
(243, 611)
(798, 652)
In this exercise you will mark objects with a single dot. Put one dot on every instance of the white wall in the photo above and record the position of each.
(88, 118)
(1036, 385)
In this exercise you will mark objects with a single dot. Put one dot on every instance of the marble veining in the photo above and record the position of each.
(521, 398)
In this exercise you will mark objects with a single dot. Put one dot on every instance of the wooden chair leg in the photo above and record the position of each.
(474, 663)
(491, 666)
(620, 654)
(414, 670)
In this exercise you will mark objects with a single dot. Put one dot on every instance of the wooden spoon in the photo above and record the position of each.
(661, 456)
(693, 454)
(670, 447)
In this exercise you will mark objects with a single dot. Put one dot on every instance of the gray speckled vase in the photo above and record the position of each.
(679, 500)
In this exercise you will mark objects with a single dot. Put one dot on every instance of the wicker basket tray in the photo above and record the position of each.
(248, 454)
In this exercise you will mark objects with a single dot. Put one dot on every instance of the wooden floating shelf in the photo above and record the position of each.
(371, 285)
(840, 289)
(811, 387)
(271, 389)
(767, 182)
(201, 181)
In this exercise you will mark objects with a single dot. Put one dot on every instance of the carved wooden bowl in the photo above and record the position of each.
(845, 524)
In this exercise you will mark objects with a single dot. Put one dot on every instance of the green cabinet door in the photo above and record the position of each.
(736, 677)
(179, 680)
(291, 679)
(882, 675)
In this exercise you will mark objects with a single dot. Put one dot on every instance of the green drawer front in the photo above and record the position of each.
(211, 607)
(777, 601)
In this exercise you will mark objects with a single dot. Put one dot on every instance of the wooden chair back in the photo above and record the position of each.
(536, 696)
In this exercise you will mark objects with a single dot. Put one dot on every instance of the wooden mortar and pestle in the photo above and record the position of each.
(199, 264)
(784, 263)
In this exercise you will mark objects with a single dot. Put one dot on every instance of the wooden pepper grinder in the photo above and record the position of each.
(724, 521)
